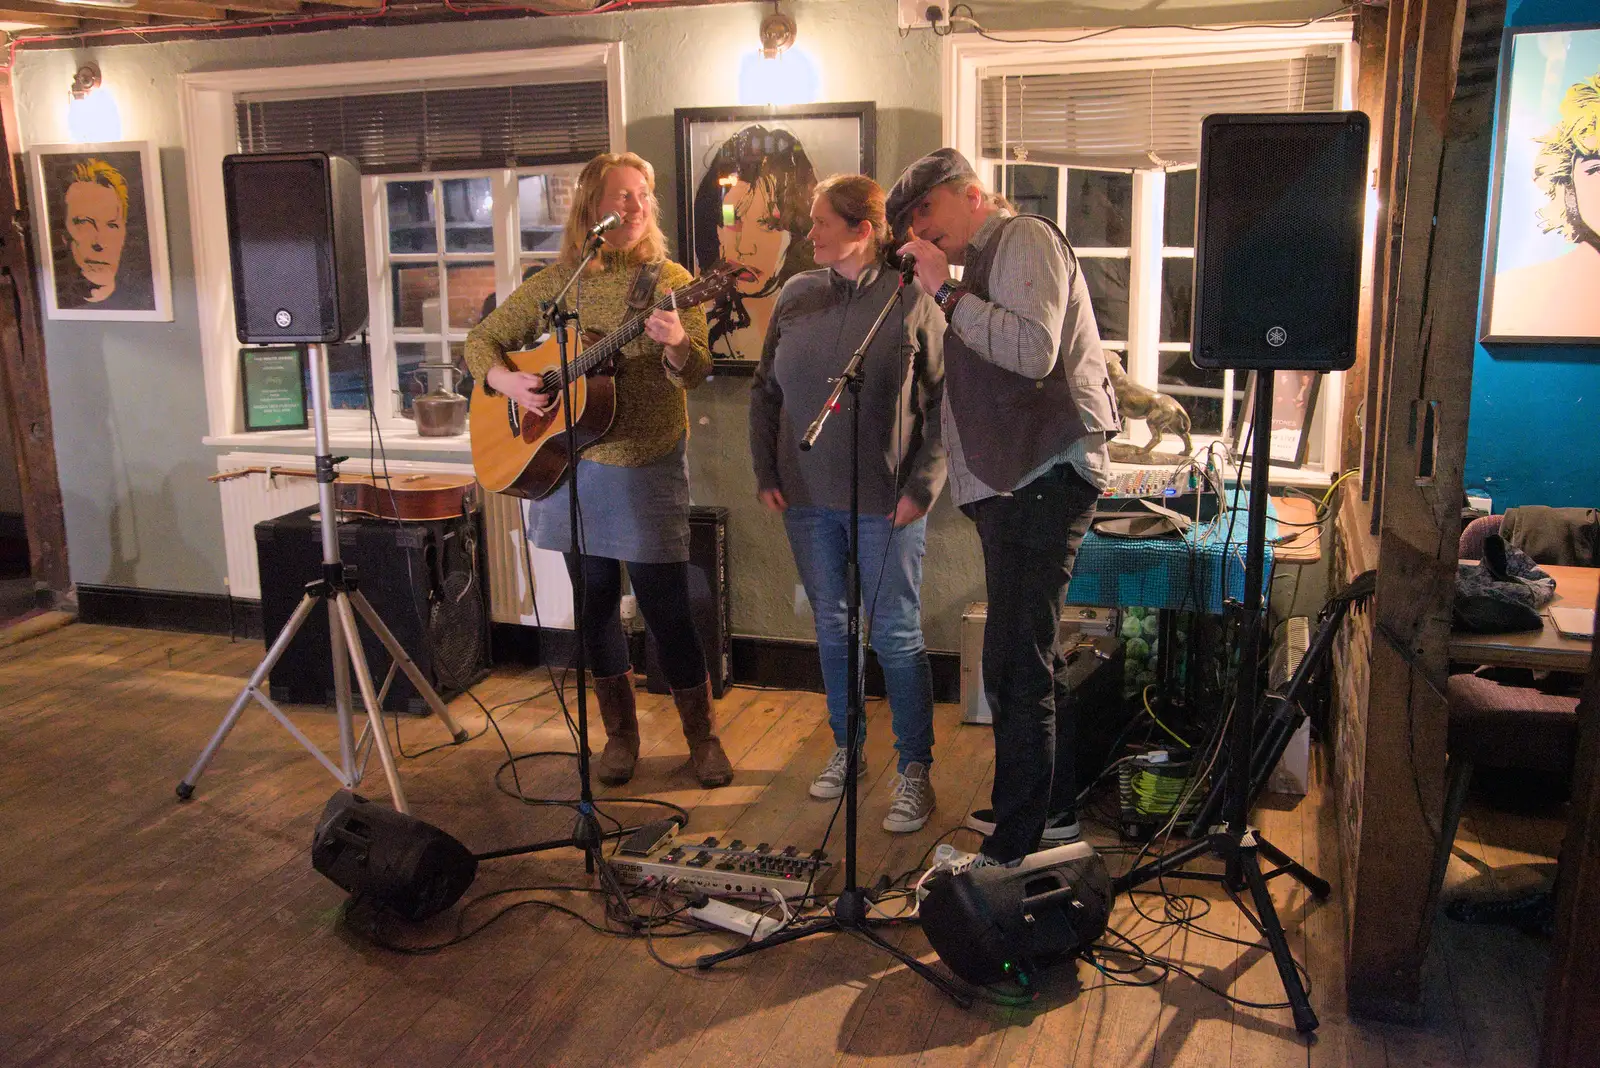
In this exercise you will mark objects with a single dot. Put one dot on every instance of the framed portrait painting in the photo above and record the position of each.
(1544, 224)
(745, 181)
(1294, 406)
(102, 232)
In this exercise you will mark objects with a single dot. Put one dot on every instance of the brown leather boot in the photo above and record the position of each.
(614, 695)
(706, 758)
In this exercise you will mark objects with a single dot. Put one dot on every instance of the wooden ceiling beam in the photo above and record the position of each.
(183, 9)
(265, 7)
(78, 11)
(43, 22)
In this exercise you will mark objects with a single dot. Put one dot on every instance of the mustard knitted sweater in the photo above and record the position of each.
(652, 409)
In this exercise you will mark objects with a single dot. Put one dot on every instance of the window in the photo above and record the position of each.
(1103, 137)
(466, 181)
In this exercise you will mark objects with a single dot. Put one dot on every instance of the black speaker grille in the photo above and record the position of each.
(1278, 253)
(281, 227)
(457, 629)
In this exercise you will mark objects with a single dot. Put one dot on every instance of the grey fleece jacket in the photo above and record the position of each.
(820, 319)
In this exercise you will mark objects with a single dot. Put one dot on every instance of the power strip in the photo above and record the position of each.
(733, 918)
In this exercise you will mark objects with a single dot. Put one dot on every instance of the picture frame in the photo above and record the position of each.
(272, 387)
(100, 222)
(1294, 407)
(1544, 208)
(759, 162)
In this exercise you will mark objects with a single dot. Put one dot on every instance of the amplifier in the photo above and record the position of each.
(732, 870)
(708, 602)
(424, 579)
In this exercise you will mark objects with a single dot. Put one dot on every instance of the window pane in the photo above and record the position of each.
(1108, 292)
(1177, 369)
(468, 215)
(1099, 208)
(409, 356)
(458, 356)
(416, 297)
(1032, 189)
(542, 204)
(1179, 372)
(349, 378)
(1177, 297)
(411, 217)
(471, 289)
(1177, 229)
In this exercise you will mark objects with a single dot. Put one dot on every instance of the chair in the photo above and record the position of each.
(1502, 726)
(1472, 535)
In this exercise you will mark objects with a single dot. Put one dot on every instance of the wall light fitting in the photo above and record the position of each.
(777, 33)
(85, 81)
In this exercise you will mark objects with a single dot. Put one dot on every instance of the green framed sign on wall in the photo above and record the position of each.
(273, 386)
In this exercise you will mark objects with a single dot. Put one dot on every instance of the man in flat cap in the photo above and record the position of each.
(1027, 409)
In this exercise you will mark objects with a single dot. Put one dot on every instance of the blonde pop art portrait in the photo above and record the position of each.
(1544, 238)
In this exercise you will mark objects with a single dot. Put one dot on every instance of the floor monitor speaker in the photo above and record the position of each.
(389, 858)
(295, 244)
(1277, 259)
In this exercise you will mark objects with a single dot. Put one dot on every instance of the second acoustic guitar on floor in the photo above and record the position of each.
(522, 454)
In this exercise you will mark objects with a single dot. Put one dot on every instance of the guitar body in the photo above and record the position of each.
(525, 455)
(416, 498)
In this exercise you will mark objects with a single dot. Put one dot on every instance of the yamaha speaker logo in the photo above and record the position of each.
(283, 319)
(1277, 336)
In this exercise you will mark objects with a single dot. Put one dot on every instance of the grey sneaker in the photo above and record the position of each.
(830, 784)
(913, 801)
(1060, 829)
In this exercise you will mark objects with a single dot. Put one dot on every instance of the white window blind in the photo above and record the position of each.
(1140, 117)
(436, 129)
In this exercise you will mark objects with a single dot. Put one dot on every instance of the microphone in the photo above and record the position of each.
(908, 269)
(610, 222)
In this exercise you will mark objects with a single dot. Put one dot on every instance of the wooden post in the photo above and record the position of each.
(1427, 382)
(24, 389)
(1372, 30)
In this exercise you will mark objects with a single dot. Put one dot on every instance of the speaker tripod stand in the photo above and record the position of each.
(337, 590)
(1238, 845)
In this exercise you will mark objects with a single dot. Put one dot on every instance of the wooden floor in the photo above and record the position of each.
(140, 931)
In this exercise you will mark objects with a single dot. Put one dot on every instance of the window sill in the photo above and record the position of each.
(401, 440)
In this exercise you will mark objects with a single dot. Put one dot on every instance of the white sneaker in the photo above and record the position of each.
(913, 801)
(830, 784)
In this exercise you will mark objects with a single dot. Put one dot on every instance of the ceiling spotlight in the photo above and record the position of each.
(85, 81)
(777, 33)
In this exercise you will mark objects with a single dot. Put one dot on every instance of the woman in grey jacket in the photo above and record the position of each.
(820, 318)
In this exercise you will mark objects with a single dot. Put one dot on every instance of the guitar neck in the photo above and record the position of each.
(608, 346)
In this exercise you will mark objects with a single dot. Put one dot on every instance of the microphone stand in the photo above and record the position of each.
(849, 911)
(586, 832)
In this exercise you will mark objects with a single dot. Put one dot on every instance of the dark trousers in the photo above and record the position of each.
(1030, 540)
(663, 593)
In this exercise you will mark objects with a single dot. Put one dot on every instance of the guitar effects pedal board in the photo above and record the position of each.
(732, 870)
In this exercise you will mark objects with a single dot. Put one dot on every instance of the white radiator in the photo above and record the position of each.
(249, 499)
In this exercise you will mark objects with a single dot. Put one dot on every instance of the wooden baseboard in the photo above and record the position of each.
(783, 663)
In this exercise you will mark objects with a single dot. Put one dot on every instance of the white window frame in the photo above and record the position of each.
(210, 132)
(968, 59)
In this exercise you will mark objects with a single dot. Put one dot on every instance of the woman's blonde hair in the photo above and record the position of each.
(1575, 137)
(857, 199)
(585, 212)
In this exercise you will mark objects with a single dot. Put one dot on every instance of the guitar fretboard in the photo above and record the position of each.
(630, 327)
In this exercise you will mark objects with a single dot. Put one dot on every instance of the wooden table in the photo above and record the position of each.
(1542, 649)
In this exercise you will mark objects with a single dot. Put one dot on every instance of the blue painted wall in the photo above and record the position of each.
(1534, 433)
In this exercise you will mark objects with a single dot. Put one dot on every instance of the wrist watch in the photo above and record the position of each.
(947, 295)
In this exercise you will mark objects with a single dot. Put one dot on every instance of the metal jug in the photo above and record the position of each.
(441, 412)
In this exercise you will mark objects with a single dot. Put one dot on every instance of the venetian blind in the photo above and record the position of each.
(1140, 116)
(436, 129)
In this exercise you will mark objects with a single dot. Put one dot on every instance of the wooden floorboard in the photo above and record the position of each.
(135, 930)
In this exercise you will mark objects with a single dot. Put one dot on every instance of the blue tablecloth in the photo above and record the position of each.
(1198, 571)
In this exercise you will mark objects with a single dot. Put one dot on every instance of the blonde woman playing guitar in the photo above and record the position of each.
(633, 483)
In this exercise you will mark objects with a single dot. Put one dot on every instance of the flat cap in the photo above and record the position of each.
(919, 180)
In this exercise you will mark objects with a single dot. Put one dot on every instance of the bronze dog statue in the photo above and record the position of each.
(1161, 413)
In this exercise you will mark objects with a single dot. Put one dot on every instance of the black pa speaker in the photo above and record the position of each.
(424, 579)
(999, 923)
(295, 242)
(708, 602)
(1277, 258)
(390, 859)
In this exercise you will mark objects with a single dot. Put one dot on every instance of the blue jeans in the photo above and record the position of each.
(891, 611)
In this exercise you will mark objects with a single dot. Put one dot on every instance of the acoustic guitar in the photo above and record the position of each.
(522, 454)
(420, 498)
